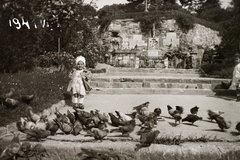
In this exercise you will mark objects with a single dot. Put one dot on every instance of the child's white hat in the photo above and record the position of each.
(81, 58)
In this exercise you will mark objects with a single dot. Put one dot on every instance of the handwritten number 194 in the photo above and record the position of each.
(20, 23)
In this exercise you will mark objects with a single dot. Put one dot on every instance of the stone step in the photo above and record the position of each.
(155, 70)
(170, 91)
(160, 74)
(157, 79)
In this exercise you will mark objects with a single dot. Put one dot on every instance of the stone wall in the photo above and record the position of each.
(130, 35)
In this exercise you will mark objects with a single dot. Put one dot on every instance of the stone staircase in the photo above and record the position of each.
(157, 81)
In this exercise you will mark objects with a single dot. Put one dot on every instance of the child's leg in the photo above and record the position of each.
(80, 101)
(75, 99)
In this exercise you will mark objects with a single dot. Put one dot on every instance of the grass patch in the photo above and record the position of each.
(47, 88)
(179, 139)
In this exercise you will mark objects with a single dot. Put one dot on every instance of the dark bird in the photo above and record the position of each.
(123, 116)
(101, 125)
(59, 115)
(25, 151)
(95, 118)
(89, 123)
(222, 123)
(71, 116)
(12, 149)
(27, 98)
(144, 118)
(52, 127)
(194, 110)
(115, 121)
(177, 117)
(147, 138)
(171, 111)
(11, 103)
(37, 134)
(66, 128)
(179, 109)
(126, 129)
(238, 127)
(65, 118)
(158, 111)
(98, 134)
(90, 154)
(212, 115)
(132, 115)
(39, 152)
(141, 107)
(31, 115)
(191, 118)
(77, 127)
(7, 95)
(146, 127)
(102, 116)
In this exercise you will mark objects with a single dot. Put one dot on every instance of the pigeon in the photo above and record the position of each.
(179, 109)
(98, 134)
(59, 115)
(27, 98)
(89, 123)
(212, 115)
(194, 110)
(32, 116)
(95, 118)
(102, 116)
(222, 123)
(126, 129)
(191, 118)
(12, 149)
(132, 115)
(123, 116)
(177, 117)
(77, 127)
(147, 138)
(158, 111)
(238, 127)
(115, 121)
(24, 123)
(144, 118)
(37, 134)
(7, 95)
(90, 154)
(171, 111)
(141, 107)
(66, 128)
(39, 152)
(71, 116)
(65, 118)
(11, 103)
(25, 151)
(52, 127)
(101, 125)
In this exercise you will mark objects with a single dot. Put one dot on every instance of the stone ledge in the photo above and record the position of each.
(190, 151)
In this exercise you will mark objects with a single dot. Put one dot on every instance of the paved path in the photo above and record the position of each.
(167, 128)
(63, 145)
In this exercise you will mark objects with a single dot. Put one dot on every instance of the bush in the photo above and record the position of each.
(223, 70)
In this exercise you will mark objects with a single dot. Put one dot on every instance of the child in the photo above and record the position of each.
(236, 77)
(78, 75)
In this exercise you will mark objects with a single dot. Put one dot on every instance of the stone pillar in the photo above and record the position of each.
(137, 63)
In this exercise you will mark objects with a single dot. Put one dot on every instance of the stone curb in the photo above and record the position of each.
(190, 151)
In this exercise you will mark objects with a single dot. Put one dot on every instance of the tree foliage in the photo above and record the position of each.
(32, 28)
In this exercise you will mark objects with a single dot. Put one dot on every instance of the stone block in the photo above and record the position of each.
(132, 85)
(104, 85)
(118, 85)
(146, 85)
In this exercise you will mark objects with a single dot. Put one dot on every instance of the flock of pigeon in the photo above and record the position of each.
(95, 123)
